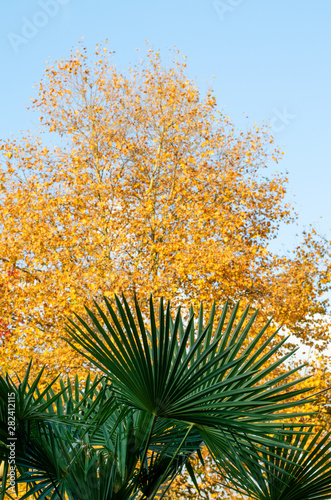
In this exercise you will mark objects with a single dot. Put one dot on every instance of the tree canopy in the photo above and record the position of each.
(137, 183)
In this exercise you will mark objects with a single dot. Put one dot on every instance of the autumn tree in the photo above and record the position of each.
(137, 183)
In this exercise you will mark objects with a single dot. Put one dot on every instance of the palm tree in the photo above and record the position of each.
(161, 393)
(280, 472)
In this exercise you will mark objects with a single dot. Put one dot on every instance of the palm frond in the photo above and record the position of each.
(203, 378)
(299, 472)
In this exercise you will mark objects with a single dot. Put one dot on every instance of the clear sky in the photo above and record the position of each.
(270, 60)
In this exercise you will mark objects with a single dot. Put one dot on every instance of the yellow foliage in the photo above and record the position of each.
(147, 189)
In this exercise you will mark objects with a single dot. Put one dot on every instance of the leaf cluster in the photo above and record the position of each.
(164, 391)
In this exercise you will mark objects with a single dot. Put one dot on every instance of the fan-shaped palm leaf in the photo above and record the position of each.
(300, 473)
(167, 389)
(204, 378)
(67, 447)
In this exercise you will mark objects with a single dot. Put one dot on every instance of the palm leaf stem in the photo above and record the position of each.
(164, 475)
(148, 441)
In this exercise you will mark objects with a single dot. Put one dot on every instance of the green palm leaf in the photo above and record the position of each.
(204, 378)
(302, 472)
(167, 389)
(80, 442)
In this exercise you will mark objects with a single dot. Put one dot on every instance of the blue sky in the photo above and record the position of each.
(270, 60)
